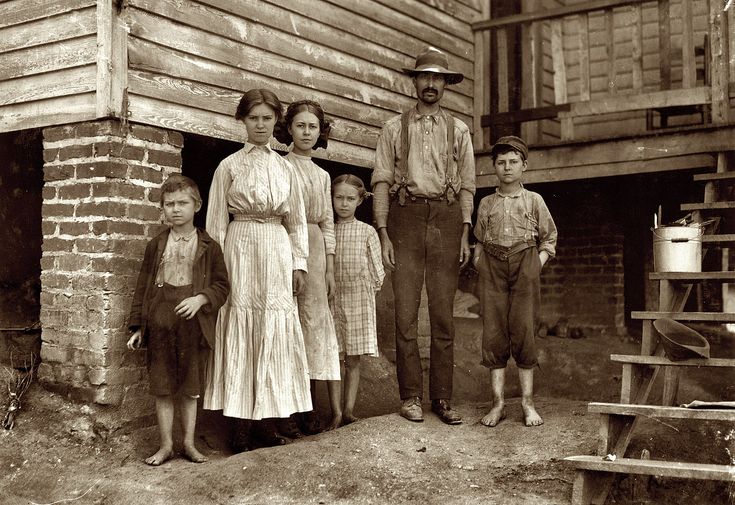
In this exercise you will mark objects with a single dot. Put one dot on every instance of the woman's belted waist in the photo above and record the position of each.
(256, 218)
(503, 253)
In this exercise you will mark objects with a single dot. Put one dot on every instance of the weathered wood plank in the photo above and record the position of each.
(468, 12)
(482, 88)
(636, 359)
(202, 44)
(56, 56)
(477, 5)
(224, 101)
(720, 65)
(636, 35)
(712, 317)
(688, 63)
(583, 43)
(48, 30)
(557, 58)
(664, 43)
(674, 469)
(347, 21)
(501, 42)
(72, 81)
(112, 61)
(425, 14)
(610, 51)
(179, 117)
(15, 12)
(668, 98)
(661, 412)
(459, 43)
(52, 111)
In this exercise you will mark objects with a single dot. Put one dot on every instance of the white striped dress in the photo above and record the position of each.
(320, 339)
(358, 272)
(258, 365)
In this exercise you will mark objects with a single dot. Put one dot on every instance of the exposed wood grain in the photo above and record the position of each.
(459, 43)
(661, 412)
(178, 117)
(52, 111)
(48, 30)
(501, 38)
(482, 89)
(425, 14)
(655, 99)
(22, 11)
(664, 43)
(688, 62)
(610, 51)
(636, 35)
(583, 41)
(35, 60)
(675, 469)
(347, 21)
(720, 66)
(557, 59)
(230, 52)
(464, 11)
(72, 81)
(719, 317)
(112, 61)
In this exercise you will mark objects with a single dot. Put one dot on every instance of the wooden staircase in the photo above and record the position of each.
(595, 474)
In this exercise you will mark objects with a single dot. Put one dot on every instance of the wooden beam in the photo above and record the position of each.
(636, 35)
(664, 44)
(720, 65)
(652, 100)
(545, 14)
(503, 84)
(583, 48)
(688, 61)
(610, 51)
(482, 86)
(112, 61)
(559, 66)
(523, 115)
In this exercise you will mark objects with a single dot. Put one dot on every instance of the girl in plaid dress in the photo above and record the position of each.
(358, 273)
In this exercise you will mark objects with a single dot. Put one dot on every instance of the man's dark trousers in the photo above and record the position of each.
(426, 237)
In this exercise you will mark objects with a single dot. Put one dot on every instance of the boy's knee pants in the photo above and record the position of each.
(510, 297)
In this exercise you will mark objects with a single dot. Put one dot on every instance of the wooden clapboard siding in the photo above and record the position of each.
(69, 81)
(466, 11)
(16, 12)
(195, 58)
(52, 111)
(48, 30)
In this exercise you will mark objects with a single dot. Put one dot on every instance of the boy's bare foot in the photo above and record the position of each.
(496, 414)
(336, 423)
(159, 458)
(531, 415)
(349, 419)
(192, 454)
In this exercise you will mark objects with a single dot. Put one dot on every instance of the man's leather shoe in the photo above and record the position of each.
(442, 409)
(411, 409)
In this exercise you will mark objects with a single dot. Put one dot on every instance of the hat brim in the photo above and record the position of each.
(450, 77)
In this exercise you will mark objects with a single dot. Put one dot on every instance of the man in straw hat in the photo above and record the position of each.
(424, 182)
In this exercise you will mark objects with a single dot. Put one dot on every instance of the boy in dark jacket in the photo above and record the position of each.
(181, 286)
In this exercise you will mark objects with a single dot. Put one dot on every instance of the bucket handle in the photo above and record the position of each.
(679, 240)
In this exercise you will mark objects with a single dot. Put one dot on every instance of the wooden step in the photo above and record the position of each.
(717, 239)
(675, 469)
(707, 206)
(660, 412)
(711, 317)
(637, 359)
(715, 176)
(693, 276)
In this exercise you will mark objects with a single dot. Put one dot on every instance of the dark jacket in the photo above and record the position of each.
(209, 277)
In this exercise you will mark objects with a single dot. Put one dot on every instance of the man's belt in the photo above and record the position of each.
(503, 253)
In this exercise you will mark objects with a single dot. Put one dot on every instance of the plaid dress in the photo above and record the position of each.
(358, 272)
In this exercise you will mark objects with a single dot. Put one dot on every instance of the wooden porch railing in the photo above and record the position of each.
(711, 93)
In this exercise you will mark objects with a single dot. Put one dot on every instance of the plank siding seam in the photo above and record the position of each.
(74, 52)
(431, 15)
(49, 30)
(19, 12)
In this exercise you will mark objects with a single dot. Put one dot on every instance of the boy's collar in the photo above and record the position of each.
(514, 194)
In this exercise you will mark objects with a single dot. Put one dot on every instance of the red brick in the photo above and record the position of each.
(98, 128)
(52, 280)
(118, 228)
(144, 212)
(48, 228)
(89, 282)
(53, 244)
(50, 154)
(74, 191)
(154, 196)
(116, 188)
(132, 153)
(101, 209)
(118, 266)
(47, 263)
(75, 151)
(57, 210)
(175, 138)
(164, 158)
(145, 174)
(73, 228)
(48, 193)
(56, 133)
(92, 245)
(72, 262)
(110, 169)
(109, 148)
(148, 133)
(58, 172)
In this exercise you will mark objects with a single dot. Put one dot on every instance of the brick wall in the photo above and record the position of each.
(100, 207)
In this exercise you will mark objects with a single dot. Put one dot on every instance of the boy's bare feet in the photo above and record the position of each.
(336, 423)
(349, 419)
(531, 415)
(496, 414)
(192, 454)
(159, 458)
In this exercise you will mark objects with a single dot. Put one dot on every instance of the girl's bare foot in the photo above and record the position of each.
(159, 458)
(336, 423)
(496, 414)
(192, 454)
(530, 415)
(349, 419)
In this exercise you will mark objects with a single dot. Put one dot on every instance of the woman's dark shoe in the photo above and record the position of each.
(265, 434)
(310, 423)
(287, 427)
(240, 440)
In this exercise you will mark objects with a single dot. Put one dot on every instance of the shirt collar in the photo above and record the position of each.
(434, 117)
(511, 195)
(252, 147)
(185, 238)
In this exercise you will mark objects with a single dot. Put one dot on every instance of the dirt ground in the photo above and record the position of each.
(63, 452)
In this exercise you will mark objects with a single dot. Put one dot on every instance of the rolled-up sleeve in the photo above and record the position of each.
(383, 172)
(547, 233)
(482, 211)
(466, 171)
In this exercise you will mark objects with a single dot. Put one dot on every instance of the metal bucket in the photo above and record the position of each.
(677, 249)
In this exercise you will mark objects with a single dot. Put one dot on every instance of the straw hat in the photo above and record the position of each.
(680, 341)
(433, 60)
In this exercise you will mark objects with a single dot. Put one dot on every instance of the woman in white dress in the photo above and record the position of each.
(307, 129)
(258, 368)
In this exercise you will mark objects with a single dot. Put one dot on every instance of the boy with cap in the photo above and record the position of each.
(516, 237)
(424, 183)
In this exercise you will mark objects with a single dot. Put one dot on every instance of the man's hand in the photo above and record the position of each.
(299, 281)
(389, 259)
(543, 257)
(464, 246)
(135, 340)
(188, 307)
